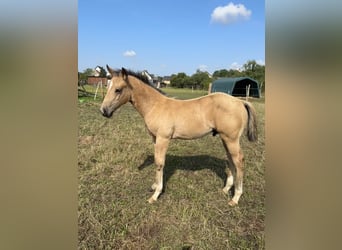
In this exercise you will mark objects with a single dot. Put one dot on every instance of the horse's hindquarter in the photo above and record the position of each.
(229, 114)
(224, 113)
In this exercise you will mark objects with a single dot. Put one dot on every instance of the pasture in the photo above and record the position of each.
(116, 170)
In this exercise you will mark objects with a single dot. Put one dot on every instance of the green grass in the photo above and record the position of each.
(115, 158)
(91, 89)
(184, 93)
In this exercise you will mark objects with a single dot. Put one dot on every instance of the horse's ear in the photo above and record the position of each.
(110, 70)
(124, 73)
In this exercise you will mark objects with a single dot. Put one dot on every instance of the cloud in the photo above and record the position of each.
(230, 13)
(129, 53)
(260, 62)
(235, 66)
(203, 67)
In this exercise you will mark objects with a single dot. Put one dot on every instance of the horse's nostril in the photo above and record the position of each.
(104, 112)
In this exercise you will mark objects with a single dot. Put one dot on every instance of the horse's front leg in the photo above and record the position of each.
(160, 148)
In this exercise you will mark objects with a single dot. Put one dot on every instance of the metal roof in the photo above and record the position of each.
(236, 86)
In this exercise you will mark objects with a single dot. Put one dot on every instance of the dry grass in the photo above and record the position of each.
(115, 158)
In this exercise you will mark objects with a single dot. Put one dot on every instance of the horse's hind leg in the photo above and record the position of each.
(229, 181)
(235, 158)
(160, 148)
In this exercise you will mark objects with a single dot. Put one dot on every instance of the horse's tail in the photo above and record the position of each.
(252, 131)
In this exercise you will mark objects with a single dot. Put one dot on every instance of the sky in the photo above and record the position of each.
(167, 37)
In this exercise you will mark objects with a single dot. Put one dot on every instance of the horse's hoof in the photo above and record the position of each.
(151, 200)
(232, 203)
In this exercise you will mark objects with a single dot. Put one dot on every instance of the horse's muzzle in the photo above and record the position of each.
(105, 112)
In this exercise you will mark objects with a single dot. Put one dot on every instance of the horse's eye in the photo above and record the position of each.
(118, 91)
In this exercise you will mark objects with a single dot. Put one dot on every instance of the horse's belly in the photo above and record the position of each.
(188, 134)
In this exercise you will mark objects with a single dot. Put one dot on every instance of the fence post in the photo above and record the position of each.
(99, 84)
(247, 91)
(209, 90)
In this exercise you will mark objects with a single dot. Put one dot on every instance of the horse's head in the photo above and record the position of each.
(118, 93)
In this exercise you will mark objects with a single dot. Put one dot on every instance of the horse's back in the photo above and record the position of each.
(226, 103)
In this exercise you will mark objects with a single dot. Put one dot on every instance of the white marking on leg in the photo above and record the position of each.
(153, 187)
(158, 186)
(160, 148)
(237, 193)
(229, 184)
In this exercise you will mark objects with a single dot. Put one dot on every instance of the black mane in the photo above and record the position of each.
(144, 79)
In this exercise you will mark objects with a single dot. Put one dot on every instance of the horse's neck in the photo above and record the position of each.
(144, 98)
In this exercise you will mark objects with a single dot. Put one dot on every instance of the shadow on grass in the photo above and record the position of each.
(189, 163)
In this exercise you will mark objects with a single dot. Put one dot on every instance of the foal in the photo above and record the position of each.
(168, 118)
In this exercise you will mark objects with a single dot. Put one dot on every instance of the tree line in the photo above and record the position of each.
(202, 79)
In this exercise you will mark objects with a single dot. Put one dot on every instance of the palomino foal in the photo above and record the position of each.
(168, 118)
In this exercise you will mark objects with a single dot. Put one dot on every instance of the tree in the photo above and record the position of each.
(220, 73)
(226, 73)
(200, 80)
(256, 71)
(250, 66)
(180, 80)
(87, 72)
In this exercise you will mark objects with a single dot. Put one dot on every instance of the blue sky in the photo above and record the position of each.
(170, 36)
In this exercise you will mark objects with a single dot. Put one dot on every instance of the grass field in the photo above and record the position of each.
(116, 170)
